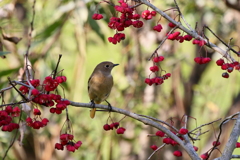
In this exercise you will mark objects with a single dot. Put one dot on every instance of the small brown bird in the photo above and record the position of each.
(100, 84)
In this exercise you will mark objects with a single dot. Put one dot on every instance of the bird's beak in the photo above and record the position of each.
(115, 65)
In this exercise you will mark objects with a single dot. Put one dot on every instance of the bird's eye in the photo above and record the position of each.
(107, 66)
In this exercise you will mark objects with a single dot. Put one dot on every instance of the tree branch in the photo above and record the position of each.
(188, 147)
(193, 33)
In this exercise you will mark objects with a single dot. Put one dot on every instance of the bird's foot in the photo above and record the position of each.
(109, 106)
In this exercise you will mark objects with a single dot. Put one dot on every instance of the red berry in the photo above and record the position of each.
(183, 131)
(121, 130)
(216, 143)
(225, 75)
(195, 148)
(154, 147)
(35, 92)
(9, 109)
(158, 28)
(53, 110)
(177, 153)
(187, 37)
(238, 145)
(206, 60)
(167, 140)
(153, 13)
(172, 25)
(58, 146)
(160, 133)
(220, 62)
(204, 156)
(116, 124)
(106, 127)
(70, 147)
(78, 144)
(36, 111)
(45, 121)
(230, 69)
(198, 60)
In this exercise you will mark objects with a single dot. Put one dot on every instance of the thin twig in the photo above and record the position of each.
(181, 15)
(20, 93)
(222, 41)
(55, 71)
(160, 147)
(205, 125)
(155, 119)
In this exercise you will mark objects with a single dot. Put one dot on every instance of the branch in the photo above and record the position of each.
(193, 33)
(187, 146)
(231, 144)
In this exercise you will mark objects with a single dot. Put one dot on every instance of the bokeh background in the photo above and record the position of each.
(65, 27)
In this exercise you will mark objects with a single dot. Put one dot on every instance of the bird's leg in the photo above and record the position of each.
(92, 103)
(109, 106)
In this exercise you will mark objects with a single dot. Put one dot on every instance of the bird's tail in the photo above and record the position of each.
(92, 113)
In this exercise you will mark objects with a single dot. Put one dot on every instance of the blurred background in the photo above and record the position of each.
(65, 27)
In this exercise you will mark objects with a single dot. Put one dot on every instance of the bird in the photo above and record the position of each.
(100, 84)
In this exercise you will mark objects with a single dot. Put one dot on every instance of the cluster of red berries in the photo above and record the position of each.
(229, 67)
(168, 140)
(147, 15)
(202, 60)
(6, 118)
(154, 69)
(48, 100)
(67, 140)
(126, 19)
(120, 130)
(35, 123)
(199, 42)
(176, 36)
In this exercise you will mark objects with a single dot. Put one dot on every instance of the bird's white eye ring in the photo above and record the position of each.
(107, 66)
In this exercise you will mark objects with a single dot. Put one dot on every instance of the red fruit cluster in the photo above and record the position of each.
(202, 60)
(116, 38)
(169, 140)
(36, 124)
(229, 67)
(199, 42)
(158, 28)
(177, 153)
(51, 84)
(176, 36)
(147, 15)
(6, 118)
(126, 19)
(35, 83)
(120, 130)
(97, 16)
(108, 127)
(67, 140)
(157, 80)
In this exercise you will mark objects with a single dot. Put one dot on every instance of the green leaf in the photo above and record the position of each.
(52, 28)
